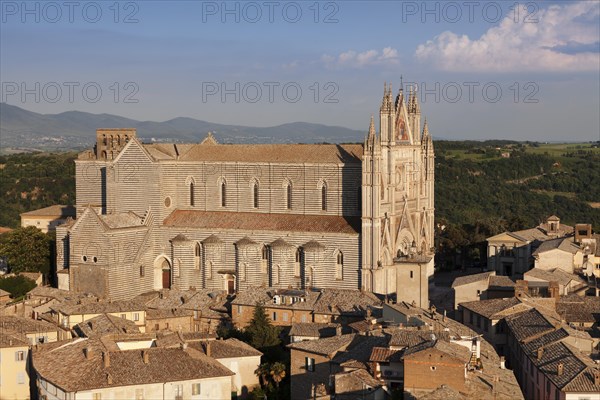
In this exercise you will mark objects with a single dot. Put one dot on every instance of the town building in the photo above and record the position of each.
(301, 332)
(510, 253)
(231, 217)
(568, 283)
(46, 219)
(410, 360)
(486, 285)
(286, 307)
(14, 356)
(547, 360)
(17, 335)
(237, 356)
(128, 368)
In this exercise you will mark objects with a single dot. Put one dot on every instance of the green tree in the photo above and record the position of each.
(27, 249)
(263, 371)
(277, 372)
(262, 333)
(17, 286)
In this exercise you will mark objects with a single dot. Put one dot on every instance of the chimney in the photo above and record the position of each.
(184, 346)
(596, 377)
(540, 353)
(88, 352)
(106, 359)
(145, 357)
(338, 330)
(554, 290)
(502, 362)
(208, 350)
(559, 369)
(444, 317)
(521, 288)
(582, 231)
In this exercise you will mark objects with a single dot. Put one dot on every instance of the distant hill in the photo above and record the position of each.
(74, 129)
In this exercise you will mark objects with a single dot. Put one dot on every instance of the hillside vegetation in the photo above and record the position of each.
(480, 193)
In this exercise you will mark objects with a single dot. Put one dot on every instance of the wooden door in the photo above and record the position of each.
(166, 279)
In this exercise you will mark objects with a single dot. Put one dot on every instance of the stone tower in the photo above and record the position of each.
(398, 194)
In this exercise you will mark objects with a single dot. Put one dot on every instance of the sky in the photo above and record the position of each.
(482, 70)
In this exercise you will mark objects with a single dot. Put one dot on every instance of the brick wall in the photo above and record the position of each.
(302, 380)
(431, 368)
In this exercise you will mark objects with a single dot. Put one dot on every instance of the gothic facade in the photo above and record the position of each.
(233, 216)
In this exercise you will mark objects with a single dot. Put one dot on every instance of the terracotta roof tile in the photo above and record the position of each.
(247, 221)
(488, 308)
(230, 348)
(105, 324)
(327, 346)
(56, 211)
(501, 281)
(465, 280)
(313, 329)
(276, 153)
(75, 372)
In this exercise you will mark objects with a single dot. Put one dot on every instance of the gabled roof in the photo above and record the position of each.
(557, 274)
(467, 279)
(275, 153)
(313, 329)
(104, 324)
(56, 211)
(460, 353)
(230, 348)
(501, 282)
(328, 346)
(564, 243)
(76, 372)
(507, 236)
(528, 325)
(487, 308)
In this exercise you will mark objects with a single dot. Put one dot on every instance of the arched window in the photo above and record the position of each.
(339, 266)
(276, 274)
(324, 197)
(223, 194)
(264, 264)
(289, 196)
(191, 194)
(255, 194)
(197, 256)
(104, 140)
(209, 267)
(297, 263)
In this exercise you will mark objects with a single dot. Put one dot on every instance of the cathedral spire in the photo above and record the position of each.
(425, 130)
(385, 103)
(370, 141)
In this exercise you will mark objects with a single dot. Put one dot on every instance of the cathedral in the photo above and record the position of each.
(237, 216)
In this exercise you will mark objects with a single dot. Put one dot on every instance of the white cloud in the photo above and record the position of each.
(551, 44)
(354, 59)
